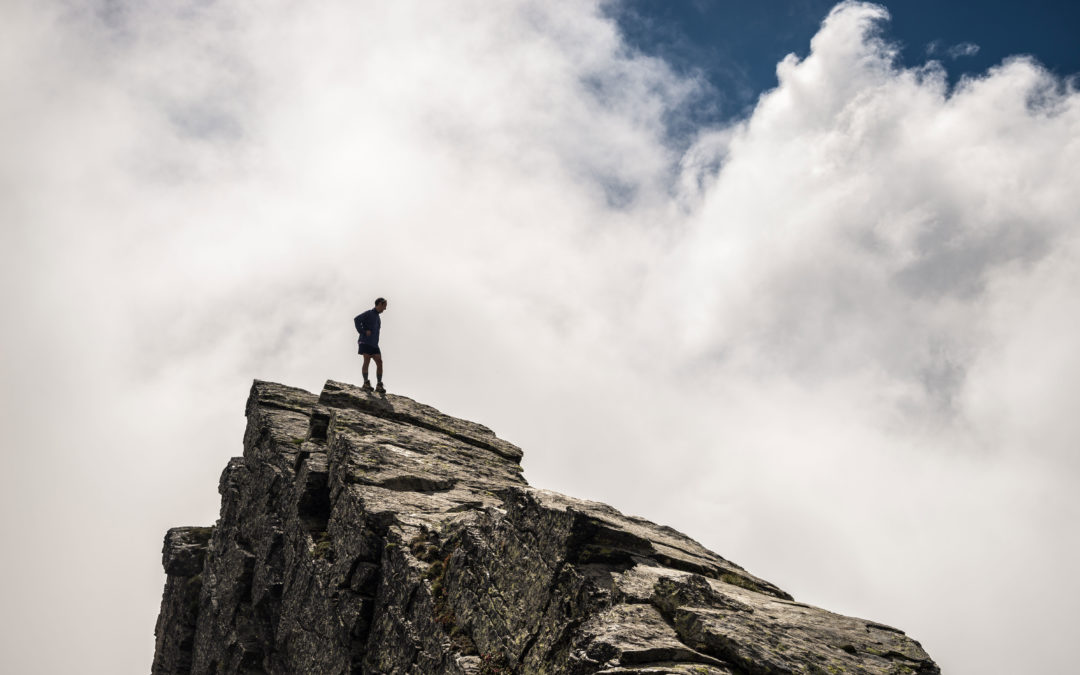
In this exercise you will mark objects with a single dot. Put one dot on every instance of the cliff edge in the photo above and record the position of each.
(369, 534)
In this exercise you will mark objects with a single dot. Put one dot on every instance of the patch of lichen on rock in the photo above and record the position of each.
(494, 664)
(322, 546)
(425, 547)
(740, 581)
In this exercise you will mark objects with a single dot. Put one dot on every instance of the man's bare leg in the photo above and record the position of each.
(364, 368)
(378, 370)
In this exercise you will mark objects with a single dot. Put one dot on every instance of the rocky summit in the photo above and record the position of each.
(372, 534)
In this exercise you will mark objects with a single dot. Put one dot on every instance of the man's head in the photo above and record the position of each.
(380, 305)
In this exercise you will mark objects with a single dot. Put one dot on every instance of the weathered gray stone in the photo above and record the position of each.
(183, 557)
(372, 534)
(185, 550)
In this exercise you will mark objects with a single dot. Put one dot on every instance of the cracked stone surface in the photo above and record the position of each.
(372, 534)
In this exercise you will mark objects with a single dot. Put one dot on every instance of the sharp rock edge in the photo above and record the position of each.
(369, 534)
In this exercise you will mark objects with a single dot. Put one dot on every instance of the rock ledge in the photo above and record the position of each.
(370, 534)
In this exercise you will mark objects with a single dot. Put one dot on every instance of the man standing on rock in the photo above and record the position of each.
(367, 325)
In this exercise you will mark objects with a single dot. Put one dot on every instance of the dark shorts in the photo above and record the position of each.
(368, 349)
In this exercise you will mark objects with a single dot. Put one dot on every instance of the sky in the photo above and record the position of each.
(799, 280)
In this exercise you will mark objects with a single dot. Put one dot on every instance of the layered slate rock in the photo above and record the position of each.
(372, 534)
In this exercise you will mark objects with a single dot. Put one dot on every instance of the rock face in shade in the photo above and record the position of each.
(368, 534)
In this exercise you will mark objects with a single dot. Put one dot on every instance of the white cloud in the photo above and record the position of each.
(834, 339)
(955, 51)
(963, 49)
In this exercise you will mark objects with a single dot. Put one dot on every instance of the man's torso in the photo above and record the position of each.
(371, 321)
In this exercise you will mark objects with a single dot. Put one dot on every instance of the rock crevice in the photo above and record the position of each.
(373, 534)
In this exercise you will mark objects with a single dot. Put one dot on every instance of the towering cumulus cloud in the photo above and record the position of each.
(836, 336)
(893, 267)
(876, 221)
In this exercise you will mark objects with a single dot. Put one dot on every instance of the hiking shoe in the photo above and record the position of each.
(379, 388)
(366, 387)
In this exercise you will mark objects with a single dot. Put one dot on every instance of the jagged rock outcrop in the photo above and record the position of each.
(368, 534)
